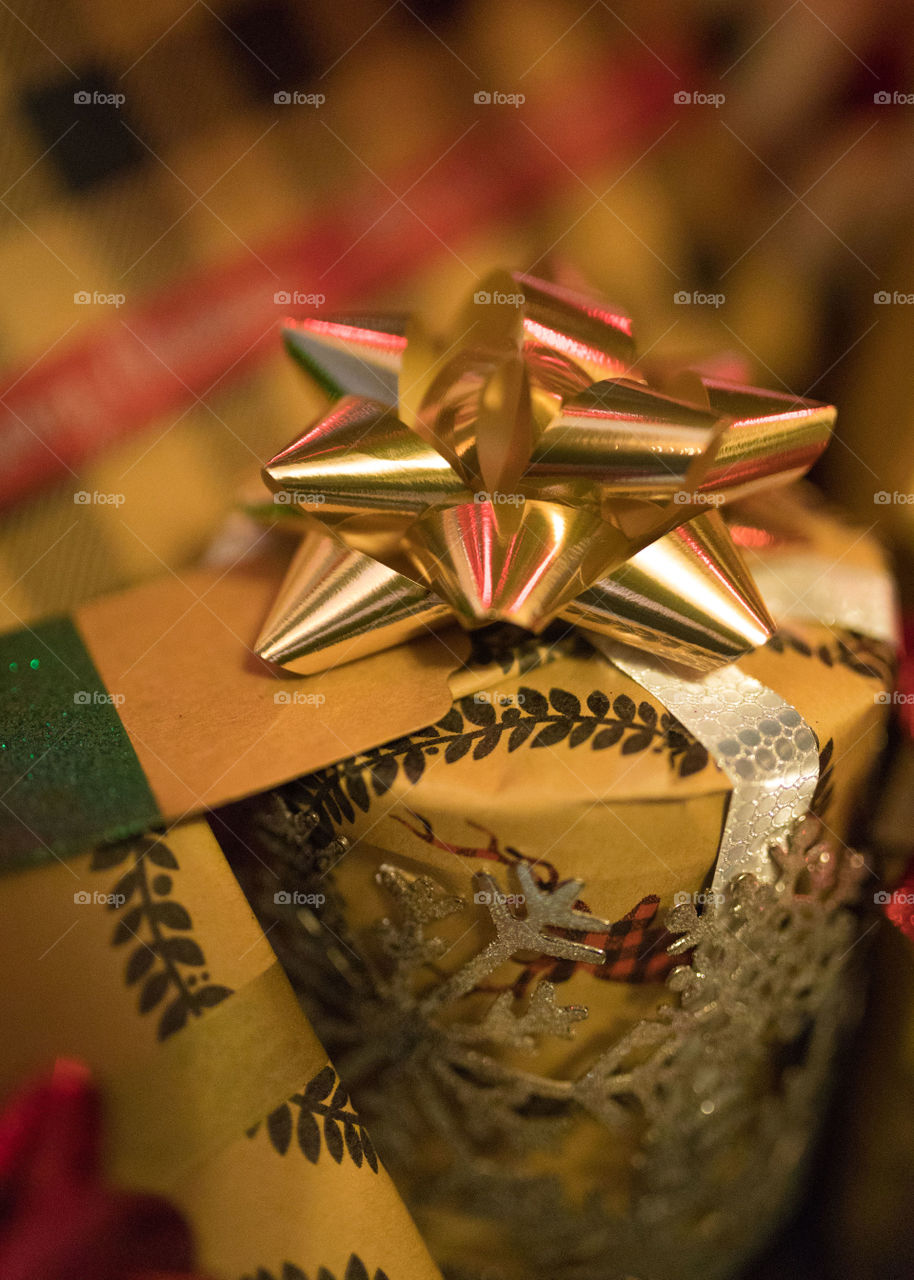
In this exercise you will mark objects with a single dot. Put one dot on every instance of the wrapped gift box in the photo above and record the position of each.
(569, 899)
(543, 1088)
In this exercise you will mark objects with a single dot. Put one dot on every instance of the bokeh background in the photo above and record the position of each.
(175, 177)
(173, 173)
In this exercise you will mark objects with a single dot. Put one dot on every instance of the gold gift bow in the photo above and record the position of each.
(521, 472)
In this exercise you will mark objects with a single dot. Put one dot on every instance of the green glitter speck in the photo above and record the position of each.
(69, 788)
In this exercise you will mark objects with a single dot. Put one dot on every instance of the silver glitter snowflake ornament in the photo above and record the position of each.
(715, 1096)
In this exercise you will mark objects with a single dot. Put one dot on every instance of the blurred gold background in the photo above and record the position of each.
(175, 177)
(169, 169)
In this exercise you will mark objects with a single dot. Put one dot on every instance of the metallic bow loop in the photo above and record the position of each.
(520, 469)
(769, 438)
(361, 355)
(588, 334)
(364, 474)
(344, 605)
(618, 441)
(687, 597)
(518, 563)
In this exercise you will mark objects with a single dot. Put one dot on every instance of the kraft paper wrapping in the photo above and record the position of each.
(148, 706)
(572, 763)
(209, 721)
(621, 818)
(145, 961)
(572, 767)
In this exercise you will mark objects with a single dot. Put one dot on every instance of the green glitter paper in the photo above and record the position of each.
(69, 777)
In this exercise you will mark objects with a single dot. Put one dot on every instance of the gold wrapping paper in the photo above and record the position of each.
(567, 773)
(145, 961)
(621, 819)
